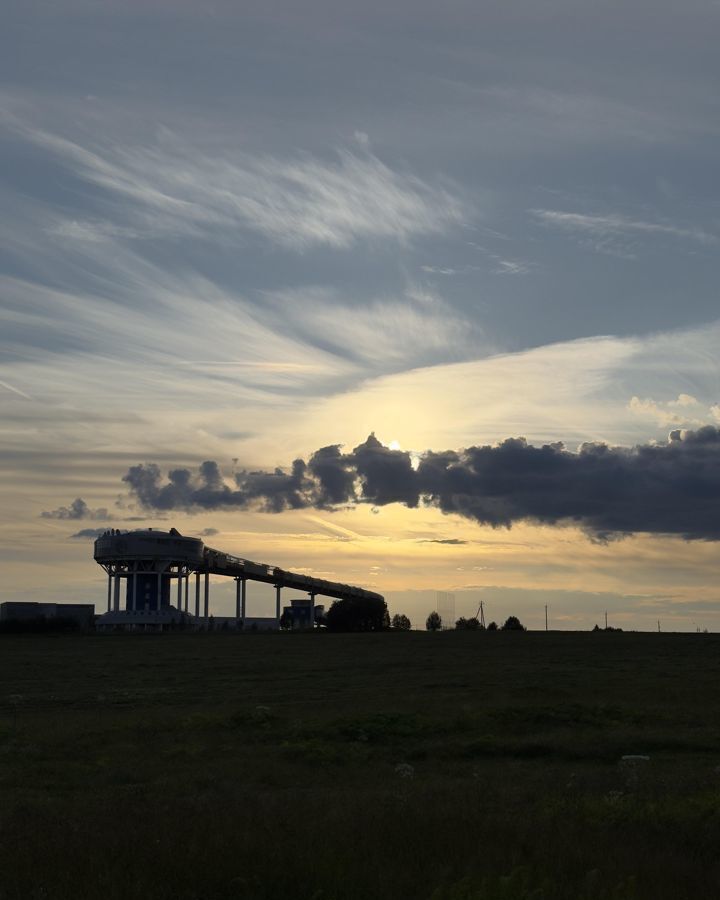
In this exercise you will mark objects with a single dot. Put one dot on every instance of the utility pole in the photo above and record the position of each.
(605, 620)
(546, 621)
(658, 626)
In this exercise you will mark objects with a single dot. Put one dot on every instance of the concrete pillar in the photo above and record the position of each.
(278, 589)
(109, 592)
(159, 591)
(312, 610)
(187, 592)
(117, 593)
(238, 590)
(207, 597)
(134, 591)
(197, 595)
(243, 598)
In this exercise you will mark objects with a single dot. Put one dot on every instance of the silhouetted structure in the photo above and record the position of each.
(79, 615)
(149, 560)
(445, 605)
(302, 614)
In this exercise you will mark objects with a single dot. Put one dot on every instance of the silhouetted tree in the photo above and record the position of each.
(434, 622)
(471, 624)
(512, 623)
(358, 614)
(400, 622)
(492, 626)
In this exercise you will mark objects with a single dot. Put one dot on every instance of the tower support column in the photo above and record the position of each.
(312, 610)
(278, 589)
(109, 592)
(117, 593)
(243, 599)
(159, 591)
(197, 595)
(207, 597)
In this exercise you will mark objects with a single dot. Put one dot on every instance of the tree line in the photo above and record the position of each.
(472, 623)
(371, 614)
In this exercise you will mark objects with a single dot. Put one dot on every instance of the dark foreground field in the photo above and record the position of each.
(453, 766)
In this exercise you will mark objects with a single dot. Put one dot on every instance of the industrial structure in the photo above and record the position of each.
(81, 615)
(155, 564)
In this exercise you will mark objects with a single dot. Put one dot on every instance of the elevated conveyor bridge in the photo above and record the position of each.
(148, 560)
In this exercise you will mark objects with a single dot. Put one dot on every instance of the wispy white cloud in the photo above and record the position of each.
(575, 391)
(414, 329)
(615, 225)
(14, 390)
(685, 411)
(511, 267)
(438, 270)
(90, 231)
(497, 266)
(173, 188)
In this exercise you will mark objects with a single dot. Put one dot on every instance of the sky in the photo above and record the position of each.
(411, 245)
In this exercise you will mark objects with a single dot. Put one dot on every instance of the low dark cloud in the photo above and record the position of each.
(452, 541)
(88, 534)
(78, 509)
(208, 532)
(669, 488)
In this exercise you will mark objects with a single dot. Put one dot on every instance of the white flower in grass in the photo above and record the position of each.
(404, 770)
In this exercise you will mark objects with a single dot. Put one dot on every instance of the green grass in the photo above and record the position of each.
(453, 766)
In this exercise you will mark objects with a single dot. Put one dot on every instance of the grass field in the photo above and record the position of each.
(451, 766)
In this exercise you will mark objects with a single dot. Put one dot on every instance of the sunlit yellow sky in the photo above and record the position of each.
(241, 234)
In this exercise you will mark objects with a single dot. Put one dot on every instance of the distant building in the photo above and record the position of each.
(81, 613)
(303, 613)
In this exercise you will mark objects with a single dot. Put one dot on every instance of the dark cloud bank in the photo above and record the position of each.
(670, 488)
(78, 509)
